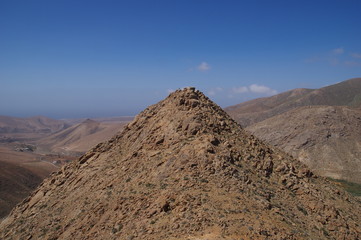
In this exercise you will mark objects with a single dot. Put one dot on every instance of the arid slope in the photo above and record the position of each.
(326, 138)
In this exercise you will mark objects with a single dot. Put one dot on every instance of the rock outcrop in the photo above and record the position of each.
(183, 169)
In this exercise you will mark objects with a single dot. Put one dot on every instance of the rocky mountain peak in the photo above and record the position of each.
(183, 114)
(183, 169)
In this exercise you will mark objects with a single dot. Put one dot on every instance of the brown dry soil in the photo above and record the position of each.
(183, 169)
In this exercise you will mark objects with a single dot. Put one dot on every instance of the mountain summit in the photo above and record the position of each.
(183, 169)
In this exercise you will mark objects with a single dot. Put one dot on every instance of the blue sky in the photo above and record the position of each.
(68, 59)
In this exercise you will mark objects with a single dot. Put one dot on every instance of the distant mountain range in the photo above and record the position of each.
(39, 125)
(79, 138)
(347, 93)
(70, 136)
(321, 127)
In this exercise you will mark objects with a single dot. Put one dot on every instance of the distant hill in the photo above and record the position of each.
(37, 124)
(347, 93)
(119, 119)
(79, 138)
(326, 138)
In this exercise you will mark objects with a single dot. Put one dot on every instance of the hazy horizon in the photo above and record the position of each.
(87, 59)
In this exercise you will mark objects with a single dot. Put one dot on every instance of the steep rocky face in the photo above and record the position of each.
(326, 138)
(183, 169)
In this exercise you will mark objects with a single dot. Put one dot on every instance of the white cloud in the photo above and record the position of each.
(214, 91)
(338, 51)
(203, 67)
(240, 90)
(356, 55)
(254, 88)
(169, 91)
(262, 89)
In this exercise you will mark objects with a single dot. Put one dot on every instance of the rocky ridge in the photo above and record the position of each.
(183, 169)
